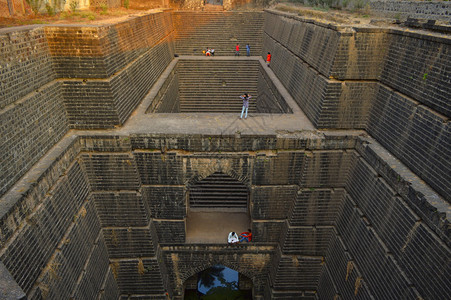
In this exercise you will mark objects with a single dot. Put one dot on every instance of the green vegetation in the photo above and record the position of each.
(35, 5)
(73, 4)
(104, 8)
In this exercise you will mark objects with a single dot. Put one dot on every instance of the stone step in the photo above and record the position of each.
(212, 102)
(218, 191)
(219, 107)
(219, 111)
(213, 7)
(224, 92)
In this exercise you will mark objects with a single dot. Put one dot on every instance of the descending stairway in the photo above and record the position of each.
(195, 31)
(218, 191)
(215, 86)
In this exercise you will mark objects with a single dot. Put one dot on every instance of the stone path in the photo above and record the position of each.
(202, 123)
(214, 227)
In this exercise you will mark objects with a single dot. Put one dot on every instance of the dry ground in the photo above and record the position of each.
(91, 16)
(111, 15)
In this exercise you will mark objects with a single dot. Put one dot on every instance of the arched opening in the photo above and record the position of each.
(217, 205)
(218, 282)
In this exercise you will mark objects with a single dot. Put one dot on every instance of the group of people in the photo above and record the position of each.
(244, 237)
(209, 52)
(248, 52)
(245, 97)
(237, 50)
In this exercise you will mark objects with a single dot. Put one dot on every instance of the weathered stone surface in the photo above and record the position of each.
(333, 213)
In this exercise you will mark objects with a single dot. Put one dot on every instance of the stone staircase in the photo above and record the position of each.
(218, 191)
(214, 86)
(195, 31)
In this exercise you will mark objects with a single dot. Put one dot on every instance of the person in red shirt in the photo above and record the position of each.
(268, 59)
(246, 236)
(237, 50)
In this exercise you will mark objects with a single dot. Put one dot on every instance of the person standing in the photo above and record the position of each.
(237, 50)
(248, 50)
(268, 59)
(245, 98)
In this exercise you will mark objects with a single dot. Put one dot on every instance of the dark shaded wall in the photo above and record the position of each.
(167, 99)
(391, 82)
(269, 99)
(389, 242)
(411, 109)
(51, 241)
(32, 115)
(125, 215)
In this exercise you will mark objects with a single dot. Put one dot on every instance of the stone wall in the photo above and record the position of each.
(31, 104)
(390, 82)
(411, 110)
(57, 78)
(380, 233)
(334, 214)
(108, 216)
(330, 71)
(168, 99)
(51, 241)
(106, 71)
(269, 98)
(435, 10)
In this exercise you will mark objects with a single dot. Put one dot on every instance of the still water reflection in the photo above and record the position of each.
(218, 283)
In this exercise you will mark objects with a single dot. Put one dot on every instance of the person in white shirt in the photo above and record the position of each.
(233, 238)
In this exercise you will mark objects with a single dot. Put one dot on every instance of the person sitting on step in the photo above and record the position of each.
(233, 238)
(246, 236)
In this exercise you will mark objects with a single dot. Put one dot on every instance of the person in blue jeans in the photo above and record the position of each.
(245, 98)
(248, 50)
(246, 236)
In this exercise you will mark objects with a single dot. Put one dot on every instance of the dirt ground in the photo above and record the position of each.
(111, 15)
(90, 16)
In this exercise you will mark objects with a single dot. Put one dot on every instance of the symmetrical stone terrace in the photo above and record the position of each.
(335, 214)
(214, 84)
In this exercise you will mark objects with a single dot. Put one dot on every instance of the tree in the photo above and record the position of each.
(207, 277)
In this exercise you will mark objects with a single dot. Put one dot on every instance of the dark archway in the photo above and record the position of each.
(218, 282)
